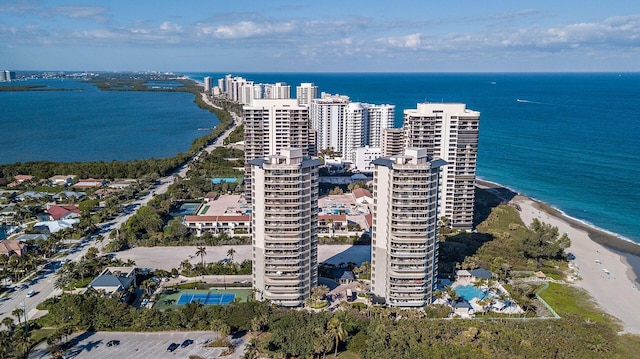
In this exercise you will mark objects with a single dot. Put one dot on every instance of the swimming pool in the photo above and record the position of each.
(468, 292)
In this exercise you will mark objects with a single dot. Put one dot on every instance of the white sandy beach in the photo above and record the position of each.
(616, 293)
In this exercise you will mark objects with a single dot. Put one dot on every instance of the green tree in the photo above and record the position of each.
(201, 252)
(18, 312)
(336, 332)
(230, 253)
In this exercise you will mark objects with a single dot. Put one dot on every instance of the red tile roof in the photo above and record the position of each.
(11, 246)
(58, 212)
(334, 217)
(361, 192)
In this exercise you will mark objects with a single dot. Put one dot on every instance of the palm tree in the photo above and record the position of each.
(23, 341)
(336, 332)
(100, 239)
(202, 251)
(8, 322)
(230, 253)
(18, 312)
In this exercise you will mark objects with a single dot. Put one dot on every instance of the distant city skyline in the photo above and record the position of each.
(327, 36)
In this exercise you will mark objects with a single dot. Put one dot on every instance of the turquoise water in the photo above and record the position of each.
(572, 141)
(468, 292)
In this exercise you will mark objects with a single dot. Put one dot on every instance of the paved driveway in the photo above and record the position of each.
(141, 345)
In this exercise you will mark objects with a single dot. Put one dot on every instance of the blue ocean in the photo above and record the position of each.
(570, 140)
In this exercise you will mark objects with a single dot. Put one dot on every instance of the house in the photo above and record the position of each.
(32, 195)
(343, 276)
(331, 223)
(20, 179)
(65, 196)
(481, 273)
(233, 225)
(89, 183)
(104, 192)
(63, 212)
(362, 196)
(47, 227)
(7, 214)
(11, 247)
(62, 180)
(114, 280)
(472, 275)
(121, 183)
(32, 237)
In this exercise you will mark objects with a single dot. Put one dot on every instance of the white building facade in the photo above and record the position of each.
(404, 247)
(449, 131)
(285, 227)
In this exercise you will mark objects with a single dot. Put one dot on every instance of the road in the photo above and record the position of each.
(43, 284)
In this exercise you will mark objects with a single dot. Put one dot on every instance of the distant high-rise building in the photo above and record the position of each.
(306, 93)
(344, 125)
(449, 131)
(278, 91)
(381, 117)
(208, 84)
(392, 142)
(404, 245)
(3, 76)
(271, 125)
(284, 201)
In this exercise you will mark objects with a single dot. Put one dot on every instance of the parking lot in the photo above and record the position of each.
(140, 345)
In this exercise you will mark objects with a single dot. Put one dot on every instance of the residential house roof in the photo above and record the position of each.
(32, 237)
(63, 212)
(481, 273)
(69, 194)
(89, 183)
(12, 246)
(343, 274)
(54, 226)
(22, 178)
(334, 217)
(113, 279)
(361, 192)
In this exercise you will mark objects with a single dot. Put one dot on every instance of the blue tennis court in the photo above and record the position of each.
(206, 298)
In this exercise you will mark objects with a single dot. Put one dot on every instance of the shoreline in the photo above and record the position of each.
(611, 240)
(607, 266)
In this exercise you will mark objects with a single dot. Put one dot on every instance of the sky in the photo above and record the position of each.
(321, 36)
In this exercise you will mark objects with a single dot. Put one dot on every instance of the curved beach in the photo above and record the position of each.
(609, 276)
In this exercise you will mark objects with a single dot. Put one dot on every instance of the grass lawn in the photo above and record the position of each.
(167, 301)
(569, 300)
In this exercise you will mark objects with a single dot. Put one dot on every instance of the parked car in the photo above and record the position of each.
(172, 347)
(113, 343)
(186, 343)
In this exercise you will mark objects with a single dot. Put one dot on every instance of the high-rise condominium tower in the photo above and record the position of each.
(285, 226)
(306, 92)
(344, 125)
(404, 246)
(392, 142)
(271, 125)
(208, 84)
(449, 131)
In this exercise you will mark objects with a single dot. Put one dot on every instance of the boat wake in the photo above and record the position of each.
(535, 102)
